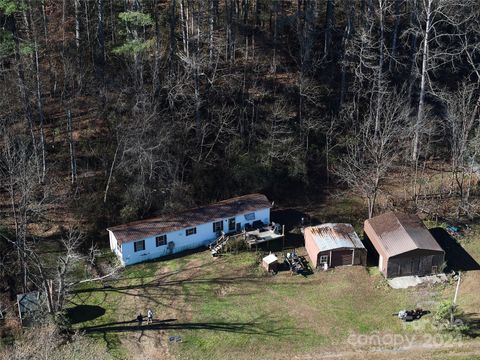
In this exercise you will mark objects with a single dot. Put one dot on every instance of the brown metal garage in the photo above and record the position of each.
(334, 245)
(404, 244)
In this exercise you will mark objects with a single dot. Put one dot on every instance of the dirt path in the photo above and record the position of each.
(151, 344)
(154, 344)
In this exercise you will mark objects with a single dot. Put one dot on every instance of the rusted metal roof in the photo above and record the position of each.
(335, 236)
(398, 233)
(142, 229)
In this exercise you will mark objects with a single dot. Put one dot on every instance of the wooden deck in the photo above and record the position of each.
(251, 238)
(262, 235)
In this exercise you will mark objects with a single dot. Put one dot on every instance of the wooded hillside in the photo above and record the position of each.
(113, 110)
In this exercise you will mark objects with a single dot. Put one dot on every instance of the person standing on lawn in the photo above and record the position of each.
(149, 316)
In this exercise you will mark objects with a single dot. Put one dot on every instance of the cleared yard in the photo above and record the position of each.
(228, 308)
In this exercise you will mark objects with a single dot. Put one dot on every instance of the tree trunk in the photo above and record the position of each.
(345, 42)
(64, 84)
(87, 30)
(198, 100)
(172, 35)
(413, 49)
(257, 14)
(185, 33)
(274, 57)
(24, 93)
(39, 97)
(158, 55)
(423, 79)
(73, 161)
(228, 29)
(79, 76)
(329, 24)
(78, 35)
(76, 4)
(210, 24)
(100, 58)
(395, 34)
(379, 86)
(107, 187)
(45, 23)
(245, 8)
(343, 71)
(112, 21)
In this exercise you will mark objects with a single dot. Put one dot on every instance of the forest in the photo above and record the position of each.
(114, 110)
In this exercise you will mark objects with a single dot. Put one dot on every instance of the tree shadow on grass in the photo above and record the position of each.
(457, 258)
(159, 284)
(81, 313)
(472, 322)
(290, 218)
(164, 284)
(254, 328)
(162, 287)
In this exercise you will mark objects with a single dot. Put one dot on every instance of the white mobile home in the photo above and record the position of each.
(169, 234)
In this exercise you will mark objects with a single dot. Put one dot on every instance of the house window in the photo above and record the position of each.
(191, 231)
(217, 226)
(250, 216)
(139, 245)
(161, 240)
(323, 259)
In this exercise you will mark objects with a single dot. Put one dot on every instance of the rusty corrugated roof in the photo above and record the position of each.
(159, 225)
(399, 233)
(335, 236)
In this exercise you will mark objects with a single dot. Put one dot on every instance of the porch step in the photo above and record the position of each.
(217, 246)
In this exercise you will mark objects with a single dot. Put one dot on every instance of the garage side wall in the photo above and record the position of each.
(372, 236)
(311, 247)
(344, 256)
(417, 262)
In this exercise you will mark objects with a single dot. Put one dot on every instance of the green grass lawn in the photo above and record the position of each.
(228, 307)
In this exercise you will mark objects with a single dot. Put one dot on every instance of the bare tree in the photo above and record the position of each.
(54, 282)
(371, 154)
(11, 25)
(433, 24)
(18, 179)
(462, 123)
(39, 94)
(280, 143)
(71, 242)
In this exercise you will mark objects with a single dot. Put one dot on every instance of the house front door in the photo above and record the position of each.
(231, 224)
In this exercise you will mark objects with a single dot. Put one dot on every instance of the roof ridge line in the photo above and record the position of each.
(403, 227)
(184, 210)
